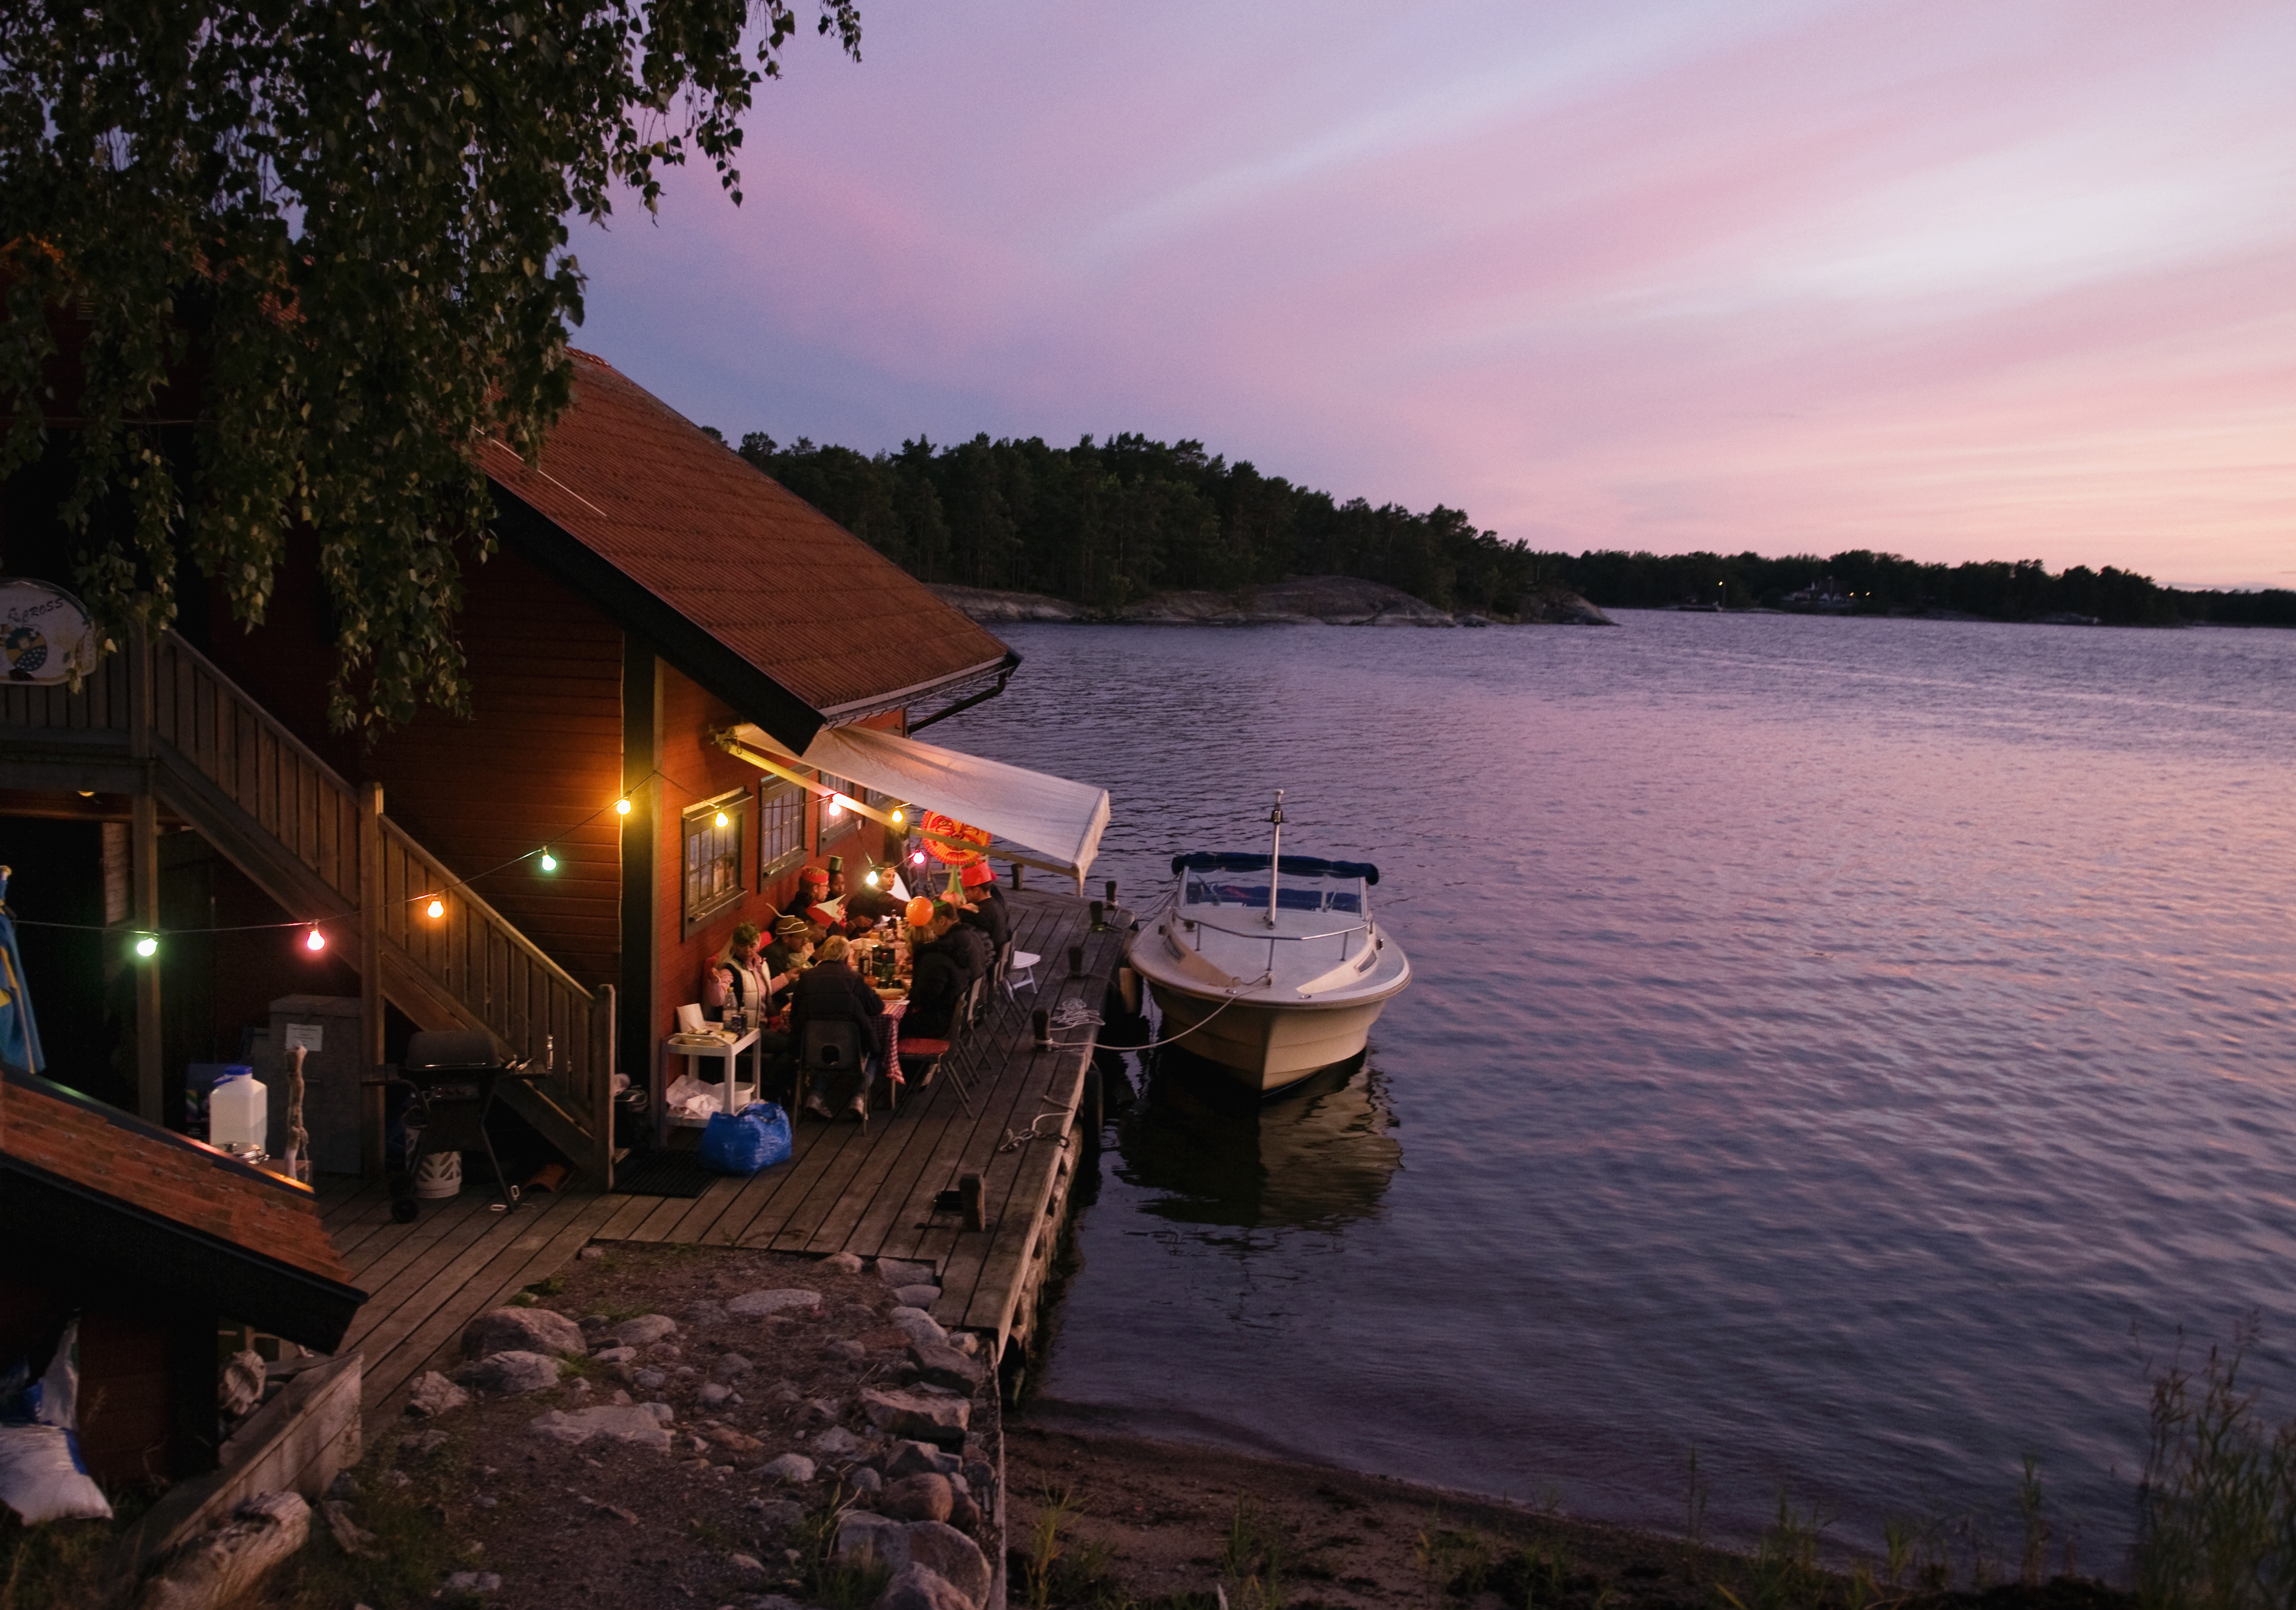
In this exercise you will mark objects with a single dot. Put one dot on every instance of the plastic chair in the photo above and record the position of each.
(1020, 969)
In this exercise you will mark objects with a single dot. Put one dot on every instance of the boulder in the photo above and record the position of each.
(730, 1367)
(617, 1354)
(919, 1327)
(945, 1367)
(649, 1380)
(921, 1295)
(789, 1467)
(927, 1417)
(644, 1331)
(837, 1443)
(966, 1515)
(865, 1480)
(703, 1313)
(777, 1515)
(948, 1553)
(714, 1395)
(756, 1305)
(897, 1274)
(523, 1330)
(907, 1458)
(509, 1373)
(843, 1263)
(633, 1425)
(844, 1349)
(917, 1588)
(474, 1581)
(861, 1534)
(918, 1498)
(434, 1395)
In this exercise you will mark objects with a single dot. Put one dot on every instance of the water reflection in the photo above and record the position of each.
(1216, 1155)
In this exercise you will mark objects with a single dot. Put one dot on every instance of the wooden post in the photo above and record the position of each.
(144, 884)
(602, 1074)
(370, 919)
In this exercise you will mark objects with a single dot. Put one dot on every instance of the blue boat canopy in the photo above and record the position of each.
(1289, 865)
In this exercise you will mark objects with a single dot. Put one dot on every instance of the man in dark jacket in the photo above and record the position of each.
(987, 903)
(831, 991)
(938, 981)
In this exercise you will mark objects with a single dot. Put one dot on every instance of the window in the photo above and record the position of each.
(835, 822)
(781, 828)
(713, 855)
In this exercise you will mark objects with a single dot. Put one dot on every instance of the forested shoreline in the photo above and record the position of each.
(1105, 523)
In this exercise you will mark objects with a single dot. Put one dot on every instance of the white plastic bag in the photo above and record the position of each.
(41, 1477)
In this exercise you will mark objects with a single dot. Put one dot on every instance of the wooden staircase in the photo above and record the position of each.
(163, 719)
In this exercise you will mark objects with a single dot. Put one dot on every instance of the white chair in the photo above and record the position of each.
(1020, 970)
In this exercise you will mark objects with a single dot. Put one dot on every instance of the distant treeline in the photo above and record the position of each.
(1103, 523)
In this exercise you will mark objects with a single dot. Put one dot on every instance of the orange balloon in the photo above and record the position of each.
(920, 912)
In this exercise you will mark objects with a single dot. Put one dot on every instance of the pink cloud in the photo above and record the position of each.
(1962, 280)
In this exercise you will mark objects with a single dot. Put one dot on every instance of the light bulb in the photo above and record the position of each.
(899, 816)
(147, 945)
(724, 820)
(621, 808)
(315, 940)
(870, 880)
(918, 858)
(836, 804)
(549, 861)
(434, 910)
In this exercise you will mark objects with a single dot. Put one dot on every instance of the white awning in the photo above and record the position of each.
(1060, 822)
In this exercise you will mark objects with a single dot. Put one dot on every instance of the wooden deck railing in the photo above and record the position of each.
(101, 706)
(471, 954)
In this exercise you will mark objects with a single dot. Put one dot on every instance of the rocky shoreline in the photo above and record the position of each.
(1296, 601)
(678, 1426)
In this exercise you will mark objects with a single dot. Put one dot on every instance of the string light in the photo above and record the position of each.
(836, 804)
(313, 940)
(724, 820)
(147, 945)
(899, 816)
(917, 858)
(435, 909)
(549, 861)
(872, 879)
(621, 808)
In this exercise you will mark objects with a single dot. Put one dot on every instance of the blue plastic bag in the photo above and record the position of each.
(757, 1138)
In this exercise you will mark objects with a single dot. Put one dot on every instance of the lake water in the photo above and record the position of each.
(1851, 1046)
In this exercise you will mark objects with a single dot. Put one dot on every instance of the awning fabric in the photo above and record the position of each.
(1059, 820)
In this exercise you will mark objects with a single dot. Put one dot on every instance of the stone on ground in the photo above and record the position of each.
(916, 1588)
(643, 1331)
(837, 1443)
(730, 1367)
(945, 1367)
(921, 1295)
(910, 1458)
(509, 1373)
(895, 1272)
(843, 1263)
(865, 1480)
(919, 1327)
(756, 1305)
(946, 1552)
(633, 1425)
(918, 1498)
(926, 1416)
(793, 1467)
(522, 1330)
(434, 1395)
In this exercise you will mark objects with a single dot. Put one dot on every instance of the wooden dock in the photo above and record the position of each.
(847, 1188)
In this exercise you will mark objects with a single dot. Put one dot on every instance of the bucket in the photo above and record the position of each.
(439, 1176)
(239, 1111)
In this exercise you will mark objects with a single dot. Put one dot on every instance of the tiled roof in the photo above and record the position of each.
(165, 1176)
(794, 595)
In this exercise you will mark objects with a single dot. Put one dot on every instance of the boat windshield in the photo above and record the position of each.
(1203, 886)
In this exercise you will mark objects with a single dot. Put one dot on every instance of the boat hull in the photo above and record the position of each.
(1266, 1048)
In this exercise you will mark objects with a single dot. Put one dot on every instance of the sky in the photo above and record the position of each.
(1955, 279)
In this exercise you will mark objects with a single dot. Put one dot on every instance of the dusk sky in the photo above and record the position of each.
(1958, 280)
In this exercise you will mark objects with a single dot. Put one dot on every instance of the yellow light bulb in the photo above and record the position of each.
(900, 816)
(723, 819)
(621, 808)
(435, 909)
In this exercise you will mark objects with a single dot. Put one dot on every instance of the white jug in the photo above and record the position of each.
(238, 1112)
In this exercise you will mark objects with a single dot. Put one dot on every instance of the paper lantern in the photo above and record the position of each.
(918, 912)
(946, 838)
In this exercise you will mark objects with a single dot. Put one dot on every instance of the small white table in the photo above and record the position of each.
(727, 1053)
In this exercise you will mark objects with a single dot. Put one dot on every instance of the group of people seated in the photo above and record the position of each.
(805, 972)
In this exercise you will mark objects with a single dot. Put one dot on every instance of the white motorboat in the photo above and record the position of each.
(1269, 965)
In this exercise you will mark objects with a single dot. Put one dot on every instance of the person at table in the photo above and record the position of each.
(831, 991)
(789, 953)
(825, 911)
(969, 937)
(744, 977)
(937, 980)
(988, 903)
(872, 902)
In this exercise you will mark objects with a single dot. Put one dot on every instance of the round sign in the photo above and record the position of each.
(45, 636)
(946, 837)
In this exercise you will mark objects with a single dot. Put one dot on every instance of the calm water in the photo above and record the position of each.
(1830, 1039)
